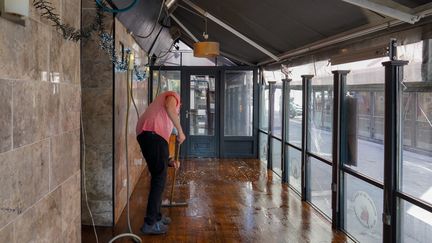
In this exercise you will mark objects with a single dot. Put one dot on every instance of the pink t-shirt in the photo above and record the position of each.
(156, 119)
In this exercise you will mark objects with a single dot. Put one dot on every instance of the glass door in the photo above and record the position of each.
(200, 114)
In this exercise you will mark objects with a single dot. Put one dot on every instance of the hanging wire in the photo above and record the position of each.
(154, 24)
(111, 10)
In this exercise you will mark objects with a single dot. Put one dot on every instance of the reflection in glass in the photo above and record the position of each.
(166, 81)
(276, 156)
(202, 105)
(263, 147)
(361, 151)
(416, 155)
(362, 210)
(319, 190)
(294, 116)
(293, 157)
(415, 224)
(321, 120)
(264, 108)
(278, 111)
(238, 103)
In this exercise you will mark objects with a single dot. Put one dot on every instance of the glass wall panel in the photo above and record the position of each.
(165, 80)
(202, 105)
(416, 158)
(263, 147)
(416, 169)
(238, 103)
(278, 112)
(276, 156)
(295, 116)
(415, 224)
(294, 162)
(364, 113)
(264, 108)
(319, 190)
(378, 116)
(320, 120)
(362, 210)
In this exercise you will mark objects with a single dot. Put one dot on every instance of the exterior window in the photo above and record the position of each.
(319, 189)
(263, 147)
(362, 210)
(276, 156)
(238, 103)
(166, 81)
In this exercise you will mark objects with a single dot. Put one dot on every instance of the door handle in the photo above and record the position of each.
(187, 114)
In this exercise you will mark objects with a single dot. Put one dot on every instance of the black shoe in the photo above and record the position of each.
(157, 229)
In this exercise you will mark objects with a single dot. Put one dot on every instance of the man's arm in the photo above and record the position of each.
(170, 106)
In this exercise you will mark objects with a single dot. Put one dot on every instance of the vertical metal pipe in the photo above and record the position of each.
(285, 117)
(306, 83)
(339, 85)
(272, 89)
(392, 145)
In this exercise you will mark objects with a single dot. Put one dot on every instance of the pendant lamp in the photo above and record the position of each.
(206, 48)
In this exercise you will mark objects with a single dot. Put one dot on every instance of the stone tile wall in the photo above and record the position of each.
(40, 100)
(140, 95)
(97, 104)
(104, 109)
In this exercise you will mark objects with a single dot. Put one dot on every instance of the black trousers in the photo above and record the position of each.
(156, 153)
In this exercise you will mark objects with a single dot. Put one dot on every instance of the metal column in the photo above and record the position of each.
(392, 145)
(285, 129)
(339, 119)
(306, 83)
(272, 89)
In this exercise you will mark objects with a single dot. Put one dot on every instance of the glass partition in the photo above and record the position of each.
(202, 105)
(166, 80)
(276, 153)
(319, 188)
(238, 117)
(264, 108)
(363, 207)
(294, 117)
(294, 167)
(415, 223)
(263, 147)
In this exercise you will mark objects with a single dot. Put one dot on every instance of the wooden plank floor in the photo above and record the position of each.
(229, 201)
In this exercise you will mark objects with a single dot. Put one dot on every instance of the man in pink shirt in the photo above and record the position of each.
(153, 130)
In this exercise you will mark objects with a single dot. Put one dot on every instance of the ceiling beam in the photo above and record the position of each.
(386, 10)
(195, 39)
(230, 29)
(424, 11)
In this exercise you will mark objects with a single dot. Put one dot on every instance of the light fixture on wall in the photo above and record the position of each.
(15, 10)
(206, 48)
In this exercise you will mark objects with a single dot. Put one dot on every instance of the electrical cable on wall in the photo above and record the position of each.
(83, 151)
(129, 83)
(136, 238)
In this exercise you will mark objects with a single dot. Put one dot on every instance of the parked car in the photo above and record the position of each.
(295, 110)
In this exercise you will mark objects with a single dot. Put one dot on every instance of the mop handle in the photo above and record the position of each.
(176, 157)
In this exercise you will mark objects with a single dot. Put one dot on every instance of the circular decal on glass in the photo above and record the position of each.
(365, 210)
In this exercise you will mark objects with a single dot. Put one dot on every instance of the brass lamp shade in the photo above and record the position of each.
(206, 49)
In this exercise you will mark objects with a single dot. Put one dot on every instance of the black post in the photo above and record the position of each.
(272, 89)
(339, 84)
(306, 82)
(285, 130)
(392, 145)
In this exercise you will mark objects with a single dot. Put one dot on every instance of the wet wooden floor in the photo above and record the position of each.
(229, 201)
